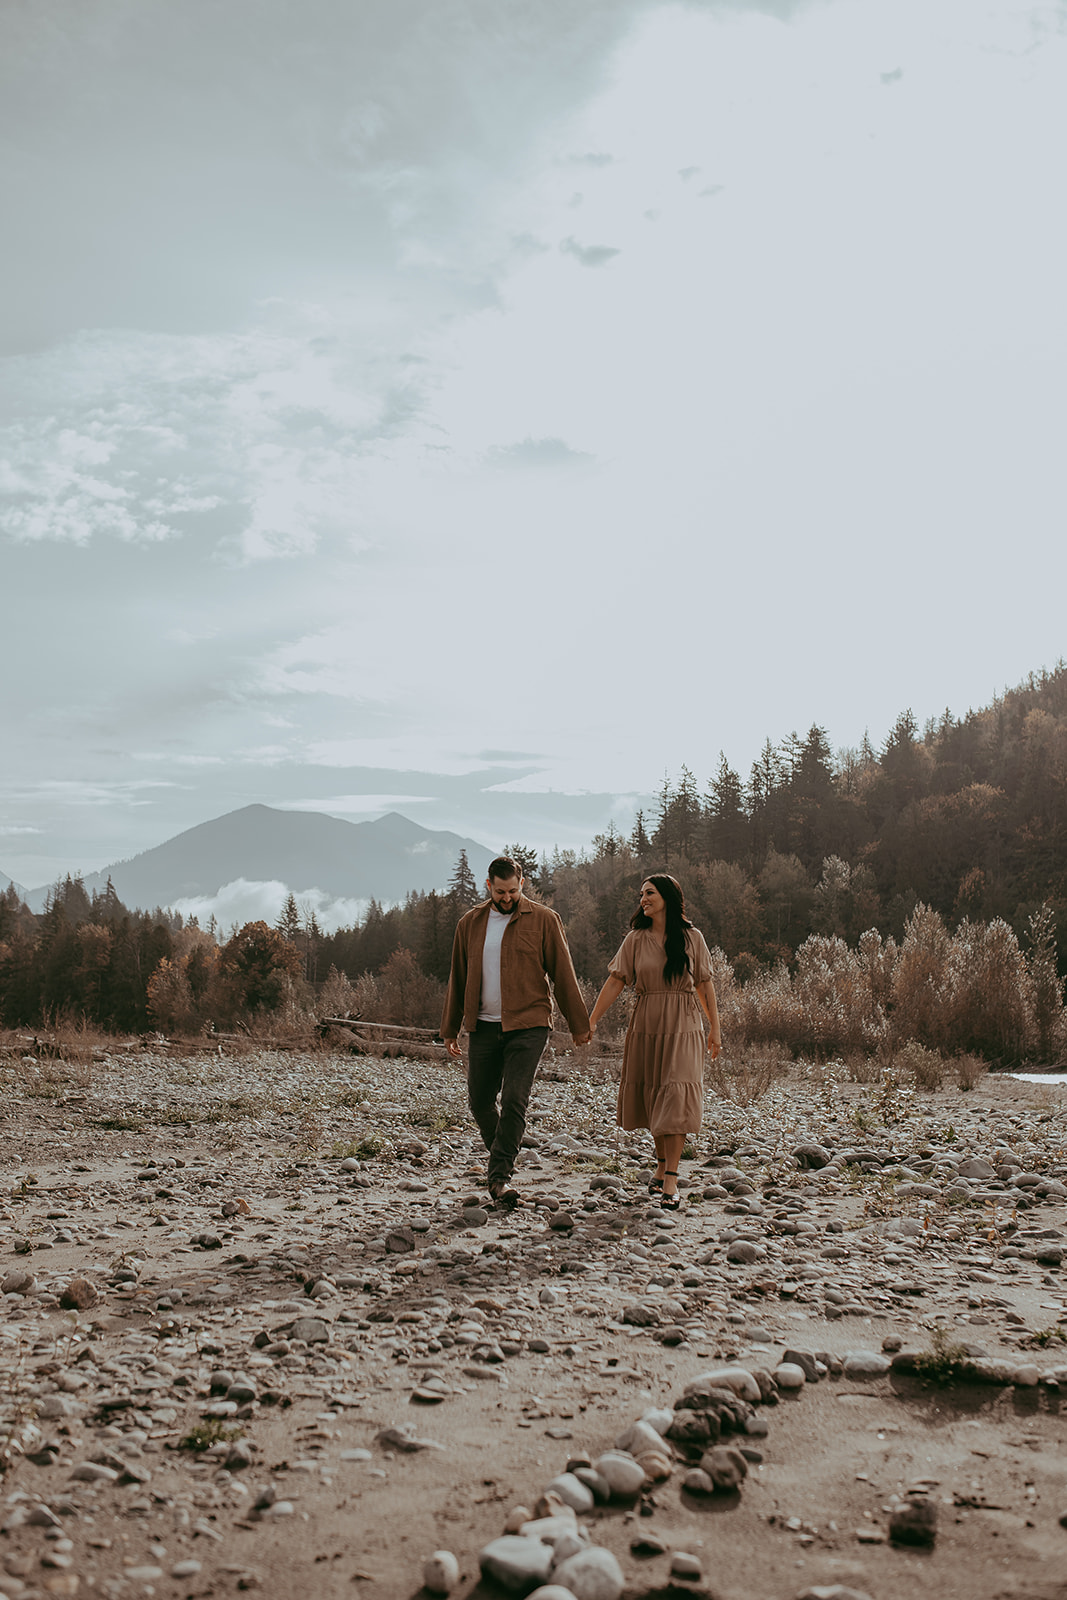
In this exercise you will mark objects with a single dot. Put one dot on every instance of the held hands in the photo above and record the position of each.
(452, 1046)
(583, 1038)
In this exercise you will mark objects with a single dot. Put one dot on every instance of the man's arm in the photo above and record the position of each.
(560, 970)
(452, 1015)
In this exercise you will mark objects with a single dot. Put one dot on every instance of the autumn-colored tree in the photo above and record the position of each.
(258, 970)
(1046, 986)
(169, 998)
(405, 994)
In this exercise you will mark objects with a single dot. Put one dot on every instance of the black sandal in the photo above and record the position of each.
(670, 1202)
(655, 1185)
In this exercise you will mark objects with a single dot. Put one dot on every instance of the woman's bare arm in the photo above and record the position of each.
(706, 995)
(607, 997)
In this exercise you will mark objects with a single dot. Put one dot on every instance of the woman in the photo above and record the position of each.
(667, 961)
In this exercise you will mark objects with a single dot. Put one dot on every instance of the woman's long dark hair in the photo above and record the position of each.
(677, 961)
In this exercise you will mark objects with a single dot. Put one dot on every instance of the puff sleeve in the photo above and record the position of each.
(700, 956)
(622, 962)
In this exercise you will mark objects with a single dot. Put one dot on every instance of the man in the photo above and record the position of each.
(505, 954)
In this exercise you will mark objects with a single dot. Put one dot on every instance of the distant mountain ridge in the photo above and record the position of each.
(10, 883)
(384, 860)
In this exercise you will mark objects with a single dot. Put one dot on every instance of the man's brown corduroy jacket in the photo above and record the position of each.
(533, 952)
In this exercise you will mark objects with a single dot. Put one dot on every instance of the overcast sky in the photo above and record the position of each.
(480, 408)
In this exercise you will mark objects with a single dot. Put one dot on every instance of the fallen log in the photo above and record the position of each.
(388, 1030)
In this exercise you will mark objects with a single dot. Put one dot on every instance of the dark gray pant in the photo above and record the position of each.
(503, 1064)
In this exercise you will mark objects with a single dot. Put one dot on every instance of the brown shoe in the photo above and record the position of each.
(504, 1196)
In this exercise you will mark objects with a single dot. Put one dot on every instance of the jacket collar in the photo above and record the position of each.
(524, 906)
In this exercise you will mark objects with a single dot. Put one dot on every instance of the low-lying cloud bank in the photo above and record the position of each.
(243, 901)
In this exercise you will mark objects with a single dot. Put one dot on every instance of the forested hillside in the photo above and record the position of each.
(967, 816)
(916, 891)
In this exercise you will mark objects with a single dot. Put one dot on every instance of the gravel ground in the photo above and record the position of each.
(261, 1328)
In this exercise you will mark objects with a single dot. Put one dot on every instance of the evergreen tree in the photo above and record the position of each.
(606, 846)
(289, 923)
(461, 887)
(528, 862)
(107, 907)
(640, 843)
(312, 935)
(726, 825)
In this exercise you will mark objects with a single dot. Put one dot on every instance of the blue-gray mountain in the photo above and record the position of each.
(385, 859)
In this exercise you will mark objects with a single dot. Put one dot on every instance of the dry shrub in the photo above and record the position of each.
(990, 991)
(973, 991)
(401, 992)
(52, 1080)
(970, 991)
(969, 1070)
(921, 979)
(832, 989)
(831, 1005)
(747, 1076)
(1048, 1022)
(764, 1010)
(62, 1037)
(862, 1068)
(924, 1067)
(337, 996)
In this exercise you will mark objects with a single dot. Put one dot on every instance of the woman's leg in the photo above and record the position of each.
(669, 1147)
(661, 1160)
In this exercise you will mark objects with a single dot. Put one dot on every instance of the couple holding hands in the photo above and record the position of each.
(505, 955)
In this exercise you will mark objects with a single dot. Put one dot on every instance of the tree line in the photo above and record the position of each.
(87, 958)
(962, 825)
(967, 817)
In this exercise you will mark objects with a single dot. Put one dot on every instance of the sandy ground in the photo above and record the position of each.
(205, 1203)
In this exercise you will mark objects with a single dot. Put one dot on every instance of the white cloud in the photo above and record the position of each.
(72, 792)
(243, 900)
(417, 753)
(77, 483)
(343, 805)
(176, 758)
(275, 423)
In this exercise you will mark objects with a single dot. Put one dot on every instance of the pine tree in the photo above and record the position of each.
(606, 846)
(528, 862)
(289, 923)
(462, 888)
(640, 843)
(726, 830)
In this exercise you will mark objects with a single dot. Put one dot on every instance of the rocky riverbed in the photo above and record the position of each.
(262, 1329)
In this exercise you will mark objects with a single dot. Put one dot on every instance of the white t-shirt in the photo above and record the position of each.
(491, 1008)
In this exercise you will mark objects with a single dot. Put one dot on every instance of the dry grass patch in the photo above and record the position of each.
(969, 1070)
(746, 1077)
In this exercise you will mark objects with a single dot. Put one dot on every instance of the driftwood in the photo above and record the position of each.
(390, 1030)
(387, 1040)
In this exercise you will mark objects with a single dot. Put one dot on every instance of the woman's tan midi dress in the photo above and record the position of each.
(662, 1085)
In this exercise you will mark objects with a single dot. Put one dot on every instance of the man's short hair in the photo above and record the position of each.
(503, 868)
